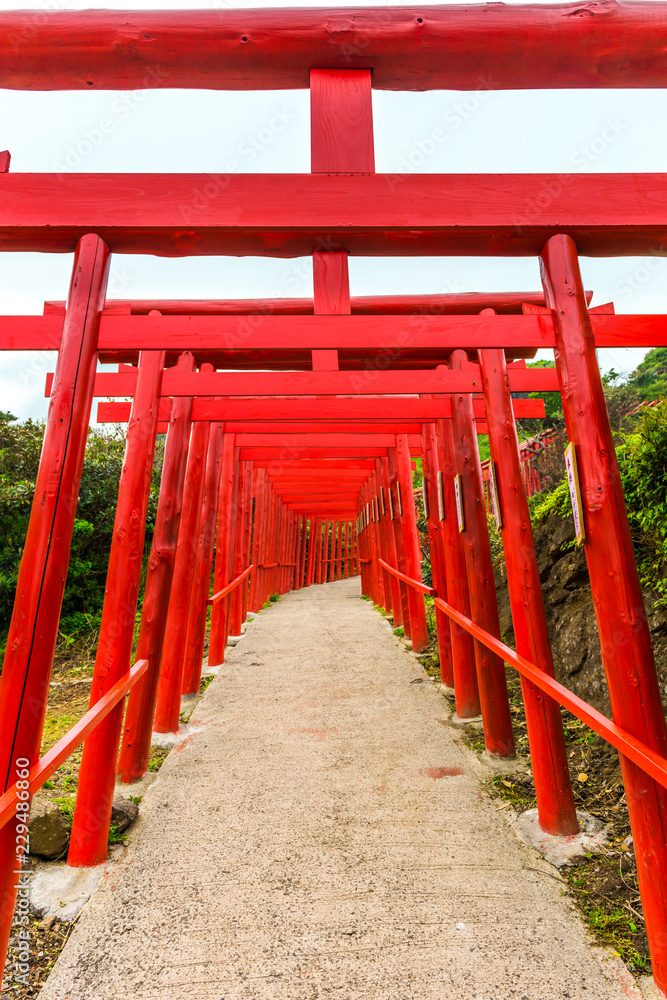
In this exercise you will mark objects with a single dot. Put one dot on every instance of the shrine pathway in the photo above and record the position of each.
(301, 846)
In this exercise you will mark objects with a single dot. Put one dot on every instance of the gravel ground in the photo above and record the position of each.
(322, 835)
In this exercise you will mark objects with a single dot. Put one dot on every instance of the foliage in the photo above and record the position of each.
(643, 464)
(642, 459)
(649, 379)
(20, 449)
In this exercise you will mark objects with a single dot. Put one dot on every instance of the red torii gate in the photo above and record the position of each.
(343, 207)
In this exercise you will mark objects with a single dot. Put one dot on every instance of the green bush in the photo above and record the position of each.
(20, 449)
(642, 460)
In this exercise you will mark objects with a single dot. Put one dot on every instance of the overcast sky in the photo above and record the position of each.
(173, 131)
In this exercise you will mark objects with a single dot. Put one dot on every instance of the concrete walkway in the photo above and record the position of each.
(323, 836)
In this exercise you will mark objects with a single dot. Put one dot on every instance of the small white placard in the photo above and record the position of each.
(495, 502)
(391, 504)
(425, 497)
(399, 502)
(382, 507)
(458, 491)
(575, 492)
(441, 498)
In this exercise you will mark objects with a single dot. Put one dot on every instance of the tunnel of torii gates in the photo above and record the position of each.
(292, 465)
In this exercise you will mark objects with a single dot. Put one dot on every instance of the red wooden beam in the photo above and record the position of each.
(274, 455)
(326, 440)
(365, 383)
(388, 409)
(278, 335)
(518, 47)
(291, 215)
(355, 334)
(450, 303)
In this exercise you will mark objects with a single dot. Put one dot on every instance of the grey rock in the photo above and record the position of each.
(48, 832)
(123, 813)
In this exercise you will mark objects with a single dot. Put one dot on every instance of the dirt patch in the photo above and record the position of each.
(604, 887)
(69, 697)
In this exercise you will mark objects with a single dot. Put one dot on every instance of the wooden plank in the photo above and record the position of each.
(290, 215)
(341, 121)
(31, 333)
(340, 332)
(357, 332)
(307, 440)
(272, 410)
(516, 47)
(284, 452)
(450, 303)
(439, 380)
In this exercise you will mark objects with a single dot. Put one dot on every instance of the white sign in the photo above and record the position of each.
(575, 492)
(441, 498)
(398, 499)
(425, 497)
(458, 491)
(391, 504)
(495, 502)
(382, 501)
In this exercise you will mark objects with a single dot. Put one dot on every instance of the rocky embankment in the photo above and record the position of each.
(571, 617)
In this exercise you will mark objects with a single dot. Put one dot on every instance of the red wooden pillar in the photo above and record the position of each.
(297, 550)
(332, 551)
(283, 545)
(466, 691)
(235, 599)
(340, 550)
(221, 577)
(308, 547)
(247, 539)
(260, 485)
(389, 518)
(438, 573)
(491, 679)
(268, 543)
(378, 574)
(418, 629)
(168, 707)
(378, 524)
(390, 591)
(625, 640)
(399, 539)
(24, 683)
(97, 774)
(355, 551)
(312, 546)
(326, 556)
(264, 546)
(318, 549)
(303, 527)
(136, 743)
(201, 587)
(553, 789)
(346, 549)
(363, 543)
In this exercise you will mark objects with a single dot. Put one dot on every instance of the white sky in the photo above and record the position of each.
(173, 131)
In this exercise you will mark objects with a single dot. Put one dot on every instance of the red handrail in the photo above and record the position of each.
(649, 761)
(230, 586)
(60, 751)
(417, 584)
